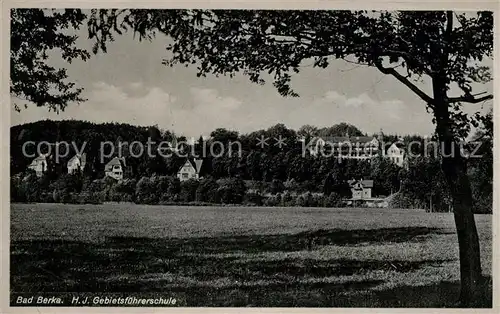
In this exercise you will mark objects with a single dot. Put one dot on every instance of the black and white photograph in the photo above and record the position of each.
(250, 157)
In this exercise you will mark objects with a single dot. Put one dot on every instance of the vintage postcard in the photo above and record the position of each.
(248, 155)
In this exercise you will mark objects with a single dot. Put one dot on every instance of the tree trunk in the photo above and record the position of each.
(468, 241)
(455, 172)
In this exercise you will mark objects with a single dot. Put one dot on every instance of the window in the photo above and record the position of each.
(184, 175)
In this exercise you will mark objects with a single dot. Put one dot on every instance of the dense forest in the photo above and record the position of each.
(250, 174)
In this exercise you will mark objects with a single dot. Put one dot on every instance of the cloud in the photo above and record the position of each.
(200, 113)
(362, 101)
(340, 100)
(135, 84)
(210, 98)
(367, 113)
(388, 109)
(201, 110)
(107, 102)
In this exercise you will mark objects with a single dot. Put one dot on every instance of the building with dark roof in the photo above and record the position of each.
(190, 169)
(361, 189)
(115, 168)
(346, 147)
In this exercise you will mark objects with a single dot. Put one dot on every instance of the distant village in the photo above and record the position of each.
(344, 147)
(331, 166)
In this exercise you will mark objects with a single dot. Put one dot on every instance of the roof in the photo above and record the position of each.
(41, 157)
(362, 139)
(367, 183)
(188, 163)
(364, 183)
(117, 161)
(398, 145)
(82, 157)
(195, 163)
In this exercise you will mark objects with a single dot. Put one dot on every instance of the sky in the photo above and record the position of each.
(130, 85)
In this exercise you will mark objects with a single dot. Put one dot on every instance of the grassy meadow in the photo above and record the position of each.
(243, 256)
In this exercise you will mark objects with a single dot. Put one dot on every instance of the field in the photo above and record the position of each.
(222, 256)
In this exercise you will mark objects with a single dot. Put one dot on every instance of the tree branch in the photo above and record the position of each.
(405, 81)
(408, 59)
(470, 99)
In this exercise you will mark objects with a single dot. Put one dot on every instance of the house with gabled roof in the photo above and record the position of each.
(361, 189)
(396, 153)
(190, 169)
(77, 163)
(115, 168)
(39, 165)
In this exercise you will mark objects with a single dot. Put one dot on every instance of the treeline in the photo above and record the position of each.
(163, 190)
(270, 173)
(418, 190)
(251, 162)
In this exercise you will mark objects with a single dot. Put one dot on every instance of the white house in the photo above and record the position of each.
(115, 168)
(396, 154)
(77, 163)
(346, 147)
(361, 189)
(39, 165)
(190, 170)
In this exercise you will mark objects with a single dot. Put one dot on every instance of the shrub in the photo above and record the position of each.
(16, 193)
(277, 186)
(254, 185)
(122, 191)
(231, 190)
(188, 190)
(126, 186)
(89, 198)
(316, 200)
(307, 186)
(273, 200)
(46, 197)
(207, 191)
(333, 200)
(304, 200)
(167, 198)
(483, 205)
(291, 185)
(108, 181)
(94, 186)
(145, 192)
(252, 198)
(166, 187)
(29, 188)
(287, 199)
(405, 200)
(66, 197)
